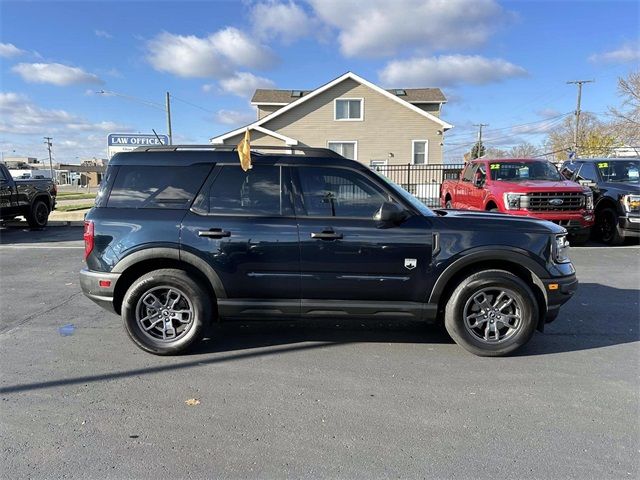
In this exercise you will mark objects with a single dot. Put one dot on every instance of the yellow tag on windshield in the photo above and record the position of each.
(603, 165)
(495, 166)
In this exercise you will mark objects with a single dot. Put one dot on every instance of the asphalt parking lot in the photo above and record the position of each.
(324, 399)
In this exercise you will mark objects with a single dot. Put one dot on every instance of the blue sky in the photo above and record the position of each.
(501, 63)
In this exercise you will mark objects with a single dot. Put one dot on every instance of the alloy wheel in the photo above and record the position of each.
(164, 314)
(493, 315)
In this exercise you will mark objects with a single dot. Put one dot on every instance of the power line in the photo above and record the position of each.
(193, 104)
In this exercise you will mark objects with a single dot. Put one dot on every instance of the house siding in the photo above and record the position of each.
(388, 126)
(264, 110)
(432, 108)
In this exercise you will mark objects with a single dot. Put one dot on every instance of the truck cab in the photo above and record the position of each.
(33, 199)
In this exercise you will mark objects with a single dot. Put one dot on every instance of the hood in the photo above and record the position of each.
(622, 188)
(542, 185)
(469, 219)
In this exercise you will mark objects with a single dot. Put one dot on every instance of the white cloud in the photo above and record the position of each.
(208, 87)
(103, 34)
(234, 117)
(216, 55)
(8, 50)
(624, 54)
(54, 73)
(448, 70)
(243, 84)
(383, 28)
(286, 21)
(23, 124)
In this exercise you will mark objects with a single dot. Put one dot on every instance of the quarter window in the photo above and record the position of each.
(255, 192)
(337, 192)
(348, 109)
(142, 186)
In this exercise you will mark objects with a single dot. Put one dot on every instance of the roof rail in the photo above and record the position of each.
(257, 149)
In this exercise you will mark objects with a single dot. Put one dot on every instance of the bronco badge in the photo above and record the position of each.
(410, 263)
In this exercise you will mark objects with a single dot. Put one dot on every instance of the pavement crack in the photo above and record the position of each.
(17, 324)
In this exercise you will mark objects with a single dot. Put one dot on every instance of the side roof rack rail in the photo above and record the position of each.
(291, 150)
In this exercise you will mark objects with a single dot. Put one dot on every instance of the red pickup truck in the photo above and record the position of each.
(527, 187)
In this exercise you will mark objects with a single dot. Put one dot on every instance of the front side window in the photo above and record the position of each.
(255, 192)
(142, 186)
(467, 175)
(419, 152)
(346, 149)
(348, 109)
(587, 172)
(338, 192)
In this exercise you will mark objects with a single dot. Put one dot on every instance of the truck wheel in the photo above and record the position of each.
(38, 216)
(165, 312)
(608, 229)
(491, 313)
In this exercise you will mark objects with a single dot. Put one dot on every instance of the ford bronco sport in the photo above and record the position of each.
(182, 236)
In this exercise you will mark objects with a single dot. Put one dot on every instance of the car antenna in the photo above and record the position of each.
(154, 132)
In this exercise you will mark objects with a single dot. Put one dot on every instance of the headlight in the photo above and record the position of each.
(560, 249)
(589, 201)
(512, 201)
(631, 203)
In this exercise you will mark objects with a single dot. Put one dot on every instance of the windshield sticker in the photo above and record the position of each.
(495, 166)
(633, 173)
(603, 165)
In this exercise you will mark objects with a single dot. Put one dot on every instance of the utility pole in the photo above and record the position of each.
(579, 83)
(47, 141)
(479, 143)
(168, 104)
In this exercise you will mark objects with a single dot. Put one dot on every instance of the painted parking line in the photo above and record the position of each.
(41, 247)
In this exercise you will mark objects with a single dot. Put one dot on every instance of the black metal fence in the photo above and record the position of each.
(422, 181)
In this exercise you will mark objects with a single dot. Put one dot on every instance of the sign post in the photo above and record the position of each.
(126, 142)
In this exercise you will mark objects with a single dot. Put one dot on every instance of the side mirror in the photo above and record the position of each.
(390, 213)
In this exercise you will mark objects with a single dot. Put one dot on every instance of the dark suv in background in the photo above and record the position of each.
(181, 236)
(616, 193)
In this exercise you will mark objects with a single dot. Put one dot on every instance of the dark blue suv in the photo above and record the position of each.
(182, 236)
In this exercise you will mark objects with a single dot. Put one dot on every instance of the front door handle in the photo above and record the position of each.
(327, 235)
(214, 233)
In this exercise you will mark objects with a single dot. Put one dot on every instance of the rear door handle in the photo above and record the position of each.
(214, 233)
(327, 235)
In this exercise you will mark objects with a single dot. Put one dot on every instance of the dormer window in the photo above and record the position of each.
(349, 109)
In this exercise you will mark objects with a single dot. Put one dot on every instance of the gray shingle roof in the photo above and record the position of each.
(413, 95)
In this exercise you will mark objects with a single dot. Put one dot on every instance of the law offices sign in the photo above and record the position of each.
(126, 142)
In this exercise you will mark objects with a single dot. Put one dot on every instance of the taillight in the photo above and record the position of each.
(88, 238)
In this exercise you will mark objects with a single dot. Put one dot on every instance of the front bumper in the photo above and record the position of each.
(630, 225)
(572, 221)
(558, 292)
(90, 283)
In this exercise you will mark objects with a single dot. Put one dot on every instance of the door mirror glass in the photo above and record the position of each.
(390, 213)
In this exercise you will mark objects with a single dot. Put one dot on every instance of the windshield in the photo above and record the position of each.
(417, 204)
(520, 171)
(620, 170)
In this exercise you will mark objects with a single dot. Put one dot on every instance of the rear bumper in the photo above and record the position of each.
(558, 291)
(100, 294)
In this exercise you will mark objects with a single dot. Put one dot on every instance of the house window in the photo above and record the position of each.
(348, 149)
(419, 152)
(348, 109)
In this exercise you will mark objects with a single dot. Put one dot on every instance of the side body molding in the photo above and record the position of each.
(482, 254)
(155, 253)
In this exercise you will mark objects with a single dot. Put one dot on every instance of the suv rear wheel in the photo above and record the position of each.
(166, 312)
(491, 313)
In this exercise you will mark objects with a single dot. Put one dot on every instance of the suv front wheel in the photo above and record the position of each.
(165, 312)
(491, 313)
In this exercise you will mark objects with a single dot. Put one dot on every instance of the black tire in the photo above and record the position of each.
(524, 302)
(581, 237)
(38, 215)
(607, 226)
(194, 299)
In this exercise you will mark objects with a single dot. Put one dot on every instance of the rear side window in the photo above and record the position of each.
(141, 186)
(255, 192)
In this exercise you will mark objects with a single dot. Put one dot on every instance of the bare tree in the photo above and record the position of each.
(626, 121)
(523, 150)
